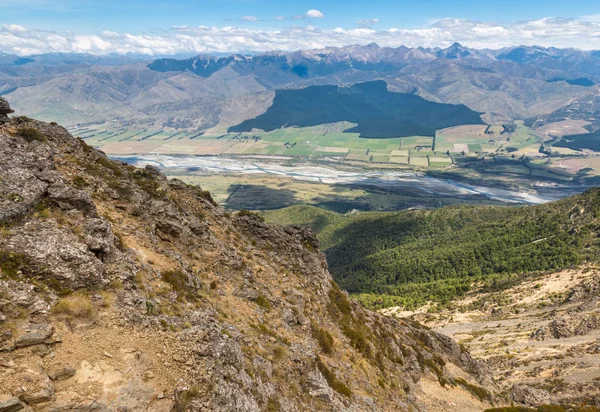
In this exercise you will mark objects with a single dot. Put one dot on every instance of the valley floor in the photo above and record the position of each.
(261, 183)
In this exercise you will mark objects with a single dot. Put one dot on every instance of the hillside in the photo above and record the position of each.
(540, 337)
(377, 112)
(204, 92)
(121, 290)
(408, 258)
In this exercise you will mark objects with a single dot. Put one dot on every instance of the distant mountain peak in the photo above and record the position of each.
(456, 51)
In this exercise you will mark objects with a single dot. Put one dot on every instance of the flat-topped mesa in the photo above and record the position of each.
(5, 110)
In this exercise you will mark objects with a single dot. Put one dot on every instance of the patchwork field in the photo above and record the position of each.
(476, 149)
(476, 139)
(327, 142)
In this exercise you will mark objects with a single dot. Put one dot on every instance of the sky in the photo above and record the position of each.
(161, 27)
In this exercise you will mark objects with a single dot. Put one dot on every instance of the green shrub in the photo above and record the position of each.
(273, 405)
(79, 181)
(11, 263)
(205, 194)
(435, 368)
(279, 352)
(246, 212)
(324, 339)
(183, 399)
(332, 380)
(148, 185)
(339, 300)
(358, 339)
(481, 393)
(179, 282)
(263, 302)
(30, 134)
(261, 327)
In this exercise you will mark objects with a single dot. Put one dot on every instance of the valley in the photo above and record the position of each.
(484, 164)
(262, 182)
(453, 188)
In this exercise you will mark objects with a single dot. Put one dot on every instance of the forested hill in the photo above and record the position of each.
(377, 112)
(407, 258)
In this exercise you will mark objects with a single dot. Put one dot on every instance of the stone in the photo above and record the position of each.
(36, 386)
(60, 373)
(177, 184)
(10, 404)
(69, 198)
(98, 235)
(529, 396)
(59, 253)
(4, 110)
(35, 334)
(317, 386)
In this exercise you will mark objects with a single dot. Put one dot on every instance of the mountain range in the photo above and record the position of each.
(542, 85)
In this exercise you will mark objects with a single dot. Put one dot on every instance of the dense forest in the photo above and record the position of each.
(407, 258)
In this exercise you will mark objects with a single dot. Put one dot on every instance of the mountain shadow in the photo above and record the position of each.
(377, 112)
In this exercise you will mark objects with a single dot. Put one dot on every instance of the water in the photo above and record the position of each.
(330, 175)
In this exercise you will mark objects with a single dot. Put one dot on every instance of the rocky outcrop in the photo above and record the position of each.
(526, 395)
(5, 110)
(568, 326)
(120, 290)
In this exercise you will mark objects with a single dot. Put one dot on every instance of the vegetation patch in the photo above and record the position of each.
(184, 399)
(263, 302)
(412, 257)
(180, 283)
(30, 134)
(324, 339)
(481, 393)
(12, 263)
(205, 194)
(545, 408)
(77, 305)
(332, 380)
(245, 212)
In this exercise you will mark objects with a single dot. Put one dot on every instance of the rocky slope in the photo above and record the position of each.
(120, 290)
(541, 337)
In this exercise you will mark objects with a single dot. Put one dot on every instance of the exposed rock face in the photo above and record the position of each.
(120, 290)
(527, 395)
(5, 110)
(568, 326)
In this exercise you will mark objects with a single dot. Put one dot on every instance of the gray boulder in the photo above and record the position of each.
(4, 110)
(34, 334)
(10, 404)
(527, 395)
(53, 253)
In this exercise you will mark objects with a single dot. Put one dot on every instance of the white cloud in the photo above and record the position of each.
(279, 18)
(315, 14)
(578, 33)
(367, 22)
(249, 18)
(14, 28)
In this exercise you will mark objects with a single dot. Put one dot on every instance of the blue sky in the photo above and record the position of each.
(140, 16)
(160, 26)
